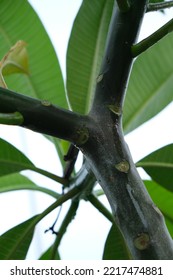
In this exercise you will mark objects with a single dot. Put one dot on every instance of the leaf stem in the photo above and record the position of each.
(70, 194)
(152, 7)
(67, 220)
(142, 46)
(50, 175)
(43, 117)
(100, 207)
(32, 188)
(11, 119)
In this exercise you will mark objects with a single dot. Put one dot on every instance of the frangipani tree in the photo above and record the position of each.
(100, 107)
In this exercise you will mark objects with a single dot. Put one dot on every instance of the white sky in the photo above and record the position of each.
(89, 229)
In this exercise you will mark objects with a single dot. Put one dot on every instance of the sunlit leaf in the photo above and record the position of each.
(85, 52)
(45, 78)
(150, 85)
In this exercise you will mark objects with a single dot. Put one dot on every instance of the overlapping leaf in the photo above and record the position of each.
(159, 165)
(85, 52)
(150, 86)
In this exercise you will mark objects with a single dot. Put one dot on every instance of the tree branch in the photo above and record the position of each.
(43, 117)
(118, 59)
(139, 220)
(145, 44)
(71, 213)
(123, 5)
(152, 7)
(100, 207)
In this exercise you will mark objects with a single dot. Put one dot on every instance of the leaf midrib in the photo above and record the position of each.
(10, 162)
(92, 79)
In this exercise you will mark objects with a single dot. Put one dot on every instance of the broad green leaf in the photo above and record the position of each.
(162, 197)
(159, 165)
(150, 85)
(14, 243)
(14, 182)
(115, 248)
(47, 255)
(45, 79)
(85, 52)
(20, 22)
(12, 160)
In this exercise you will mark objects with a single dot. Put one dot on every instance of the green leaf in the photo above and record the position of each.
(159, 165)
(150, 85)
(12, 160)
(162, 197)
(47, 255)
(85, 51)
(115, 248)
(45, 78)
(169, 224)
(14, 182)
(14, 243)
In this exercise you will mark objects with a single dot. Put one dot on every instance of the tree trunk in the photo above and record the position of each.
(99, 136)
(139, 220)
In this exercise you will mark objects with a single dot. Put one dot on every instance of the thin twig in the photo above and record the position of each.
(67, 220)
(145, 44)
(159, 6)
(99, 206)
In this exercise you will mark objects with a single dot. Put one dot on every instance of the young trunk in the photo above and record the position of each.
(139, 220)
(100, 137)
